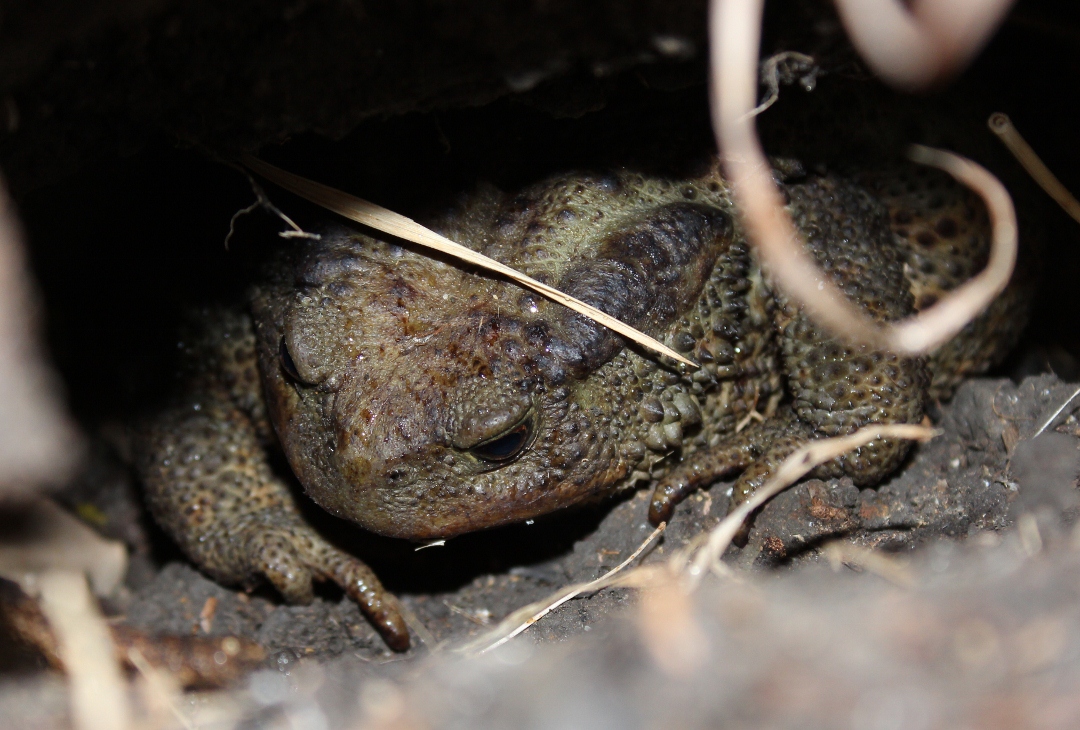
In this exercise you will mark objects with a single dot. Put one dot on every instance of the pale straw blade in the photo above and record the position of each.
(395, 224)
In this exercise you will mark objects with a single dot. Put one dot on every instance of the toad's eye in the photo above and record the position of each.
(506, 447)
(287, 363)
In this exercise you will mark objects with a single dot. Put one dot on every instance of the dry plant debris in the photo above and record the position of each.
(51, 538)
(38, 442)
(1010, 136)
(793, 468)
(735, 27)
(98, 692)
(1053, 417)
(526, 616)
(840, 553)
(183, 661)
(702, 555)
(395, 224)
(922, 43)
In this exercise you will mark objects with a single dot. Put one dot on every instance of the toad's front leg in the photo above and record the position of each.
(209, 485)
(835, 389)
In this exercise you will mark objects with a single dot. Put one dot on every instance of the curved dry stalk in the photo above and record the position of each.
(933, 327)
(1002, 126)
(793, 468)
(735, 29)
(917, 47)
(395, 224)
(526, 616)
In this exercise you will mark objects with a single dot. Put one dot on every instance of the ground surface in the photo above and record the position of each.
(980, 604)
(957, 485)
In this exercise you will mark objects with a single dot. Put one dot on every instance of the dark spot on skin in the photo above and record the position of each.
(926, 301)
(684, 342)
(926, 238)
(903, 217)
(946, 228)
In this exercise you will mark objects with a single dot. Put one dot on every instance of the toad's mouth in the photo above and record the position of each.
(431, 509)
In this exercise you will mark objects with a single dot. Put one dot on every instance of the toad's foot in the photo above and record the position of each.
(745, 451)
(209, 485)
(292, 555)
(759, 452)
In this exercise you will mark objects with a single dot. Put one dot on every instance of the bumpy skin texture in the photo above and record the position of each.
(421, 400)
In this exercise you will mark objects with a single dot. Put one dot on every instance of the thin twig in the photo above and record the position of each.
(735, 29)
(262, 200)
(933, 327)
(793, 468)
(395, 224)
(525, 617)
(1057, 413)
(1002, 126)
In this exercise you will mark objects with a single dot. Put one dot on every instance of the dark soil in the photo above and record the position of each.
(990, 612)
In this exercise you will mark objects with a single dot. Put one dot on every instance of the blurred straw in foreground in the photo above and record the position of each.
(735, 30)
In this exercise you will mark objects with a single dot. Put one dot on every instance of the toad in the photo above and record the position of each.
(422, 399)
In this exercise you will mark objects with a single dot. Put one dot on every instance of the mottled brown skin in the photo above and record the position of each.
(422, 400)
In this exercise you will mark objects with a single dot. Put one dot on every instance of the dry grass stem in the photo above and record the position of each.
(898, 573)
(1049, 421)
(735, 28)
(98, 693)
(795, 467)
(39, 443)
(670, 630)
(526, 616)
(418, 627)
(932, 327)
(705, 548)
(919, 44)
(160, 690)
(1002, 126)
(50, 538)
(395, 224)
